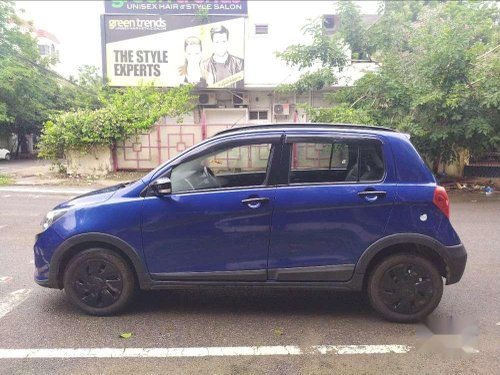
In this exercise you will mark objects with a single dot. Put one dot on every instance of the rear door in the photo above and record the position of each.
(334, 202)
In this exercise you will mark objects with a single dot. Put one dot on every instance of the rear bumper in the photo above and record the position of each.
(456, 258)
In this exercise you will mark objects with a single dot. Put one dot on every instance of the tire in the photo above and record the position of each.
(405, 288)
(99, 282)
(7, 157)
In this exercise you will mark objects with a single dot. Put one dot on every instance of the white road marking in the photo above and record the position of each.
(6, 196)
(4, 279)
(12, 300)
(201, 352)
(43, 191)
(2, 226)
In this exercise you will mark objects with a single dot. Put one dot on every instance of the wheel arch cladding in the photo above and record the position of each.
(396, 244)
(74, 245)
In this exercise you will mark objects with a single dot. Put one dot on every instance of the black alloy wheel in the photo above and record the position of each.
(405, 288)
(99, 281)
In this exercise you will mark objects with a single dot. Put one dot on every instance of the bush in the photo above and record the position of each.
(125, 113)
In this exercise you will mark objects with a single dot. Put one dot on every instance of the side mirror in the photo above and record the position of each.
(162, 186)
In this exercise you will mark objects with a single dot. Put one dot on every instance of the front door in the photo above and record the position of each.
(216, 223)
(336, 202)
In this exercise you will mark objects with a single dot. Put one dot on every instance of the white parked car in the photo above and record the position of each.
(4, 154)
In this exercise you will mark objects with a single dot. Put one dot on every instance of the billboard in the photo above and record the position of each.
(172, 50)
(177, 7)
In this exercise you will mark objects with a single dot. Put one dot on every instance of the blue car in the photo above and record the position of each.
(340, 207)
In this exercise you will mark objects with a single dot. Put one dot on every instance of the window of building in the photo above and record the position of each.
(258, 115)
(261, 29)
(44, 49)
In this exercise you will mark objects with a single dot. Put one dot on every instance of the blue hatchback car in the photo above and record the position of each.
(340, 207)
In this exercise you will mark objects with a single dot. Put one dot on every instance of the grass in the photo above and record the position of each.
(5, 180)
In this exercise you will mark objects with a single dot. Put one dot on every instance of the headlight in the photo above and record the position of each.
(52, 217)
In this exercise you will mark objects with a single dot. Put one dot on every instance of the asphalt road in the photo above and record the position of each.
(43, 319)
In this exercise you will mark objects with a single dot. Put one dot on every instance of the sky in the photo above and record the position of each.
(76, 23)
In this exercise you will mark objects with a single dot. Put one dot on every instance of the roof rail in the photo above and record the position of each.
(307, 124)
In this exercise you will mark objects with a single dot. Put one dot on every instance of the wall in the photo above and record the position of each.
(96, 162)
(456, 168)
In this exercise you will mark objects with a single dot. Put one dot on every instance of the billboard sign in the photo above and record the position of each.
(173, 50)
(177, 7)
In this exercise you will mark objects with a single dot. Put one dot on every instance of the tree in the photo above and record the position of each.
(339, 114)
(325, 57)
(85, 90)
(320, 59)
(438, 80)
(438, 77)
(28, 89)
(351, 29)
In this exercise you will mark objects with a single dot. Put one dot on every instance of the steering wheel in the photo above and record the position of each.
(210, 175)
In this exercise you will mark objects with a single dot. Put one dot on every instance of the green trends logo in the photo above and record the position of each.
(118, 3)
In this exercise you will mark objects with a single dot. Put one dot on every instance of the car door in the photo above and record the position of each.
(335, 202)
(215, 225)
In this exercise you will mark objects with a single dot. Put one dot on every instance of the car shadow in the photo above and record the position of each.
(252, 301)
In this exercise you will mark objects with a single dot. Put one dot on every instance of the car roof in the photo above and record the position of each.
(307, 127)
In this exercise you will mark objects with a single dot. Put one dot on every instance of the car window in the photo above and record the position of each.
(323, 162)
(238, 166)
(371, 164)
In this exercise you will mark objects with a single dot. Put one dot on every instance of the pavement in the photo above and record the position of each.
(241, 331)
(39, 172)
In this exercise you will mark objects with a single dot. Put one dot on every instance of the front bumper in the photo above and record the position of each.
(456, 258)
(45, 244)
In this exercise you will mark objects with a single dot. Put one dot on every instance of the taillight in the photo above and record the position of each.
(441, 200)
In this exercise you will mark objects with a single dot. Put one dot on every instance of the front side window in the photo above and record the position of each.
(239, 166)
(334, 162)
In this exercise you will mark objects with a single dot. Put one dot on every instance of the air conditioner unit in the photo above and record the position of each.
(240, 98)
(208, 98)
(282, 109)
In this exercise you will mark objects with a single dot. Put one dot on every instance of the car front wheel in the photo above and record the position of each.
(99, 281)
(7, 157)
(405, 288)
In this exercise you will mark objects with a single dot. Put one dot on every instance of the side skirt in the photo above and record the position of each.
(354, 284)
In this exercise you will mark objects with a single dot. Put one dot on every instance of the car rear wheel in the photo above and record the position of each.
(7, 157)
(405, 288)
(99, 281)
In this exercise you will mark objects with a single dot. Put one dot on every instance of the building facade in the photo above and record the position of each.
(227, 48)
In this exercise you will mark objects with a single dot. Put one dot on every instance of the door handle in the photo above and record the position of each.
(372, 195)
(255, 202)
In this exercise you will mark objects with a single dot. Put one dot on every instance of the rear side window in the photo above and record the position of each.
(335, 162)
(371, 162)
